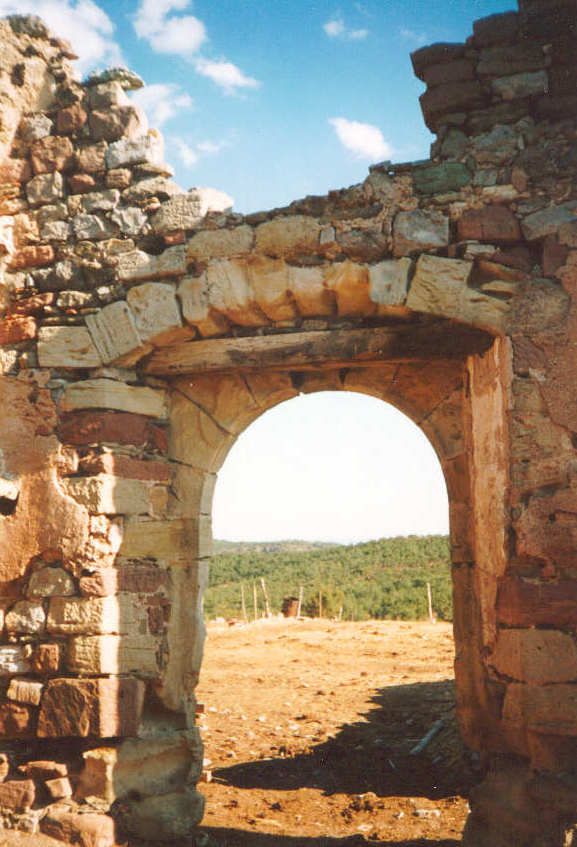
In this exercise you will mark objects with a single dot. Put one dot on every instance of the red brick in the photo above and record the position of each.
(81, 183)
(125, 467)
(32, 257)
(495, 224)
(522, 603)
(15, 171)
(71, 119)
(91, 708)
(52, 153)
(16, 721)
(18, 795)
(88, 427)
(17, 329)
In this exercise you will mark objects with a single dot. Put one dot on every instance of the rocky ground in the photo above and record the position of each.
(308, 727)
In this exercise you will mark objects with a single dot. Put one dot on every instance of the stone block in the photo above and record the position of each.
(230, 292)
(444, 72)
(548, 221)
(185, 211)
(147, 149)
(101, 201)
(17, 795)
(17, 329)
(418, 231)
(440, 287)
(156, 312)
(25, 691)
(493, 224)
(350, 284)
(92, 159)
(435, 54)
(50, 582)
(59, 789)
(108, 495)
(67, 347)
(114, 332)
(523, 603)
(16, 721)
(270, 282)
(92, 228)
(114, 654)
(137, 266)
(448, 98)
(14, 659)
(34, 256)
(194, 298)
(120, 615)
(496, 29)
(95, 708)
(501, 61)
(389, 282)
(183, 539)
(442, 178)
(548, 709)
(87, 829)
(116, 122)
(45, 189)
(111, 394)
(52, 153)
(126, 467)
(521, 85)
(291, 236)
(311, 295)
(220, 243)
(45, 658)
(535, 656)
(82, 428)
(43, 770)
(27, 617)
(70, 120)
(130, 221)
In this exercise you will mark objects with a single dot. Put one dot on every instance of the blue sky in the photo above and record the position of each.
(245, 90)
(270, 100)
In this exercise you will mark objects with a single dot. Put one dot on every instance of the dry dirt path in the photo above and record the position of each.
(308, 726)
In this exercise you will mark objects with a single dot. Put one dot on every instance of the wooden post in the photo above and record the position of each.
(299, 607)
(265, 595)
(430, 603)
(320, 603)
(243, 604)
(255, 600)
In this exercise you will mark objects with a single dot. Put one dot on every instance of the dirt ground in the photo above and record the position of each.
(308, 730)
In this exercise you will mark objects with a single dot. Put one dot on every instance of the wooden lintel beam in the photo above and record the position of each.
(300, 351)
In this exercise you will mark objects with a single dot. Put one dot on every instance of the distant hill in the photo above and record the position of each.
(377, 579)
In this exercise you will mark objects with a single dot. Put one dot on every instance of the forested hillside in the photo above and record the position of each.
(377, 579)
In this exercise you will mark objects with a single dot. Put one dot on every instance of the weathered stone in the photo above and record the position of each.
(270, 284)
(95, 615)
(92, 159)
(101, 201)
(34, 127)
(59, 789)
(82, 428)
(50, 582)
(34, 256)
(17, 795)
(92, 228)
(311, 295)
(16, 721)
(292, 236)
(67, 347)
(105, 494)
(521, 85)
(568, 237)
(167, 540)
(88, 829)
(114, 654)
(389, 282)
(107, 94)
(350, 283)
(167, 817)
(494, 224)
(102, 708)
(457, 71)
(46, 658)
(501, 61)
(535, 656)
(15, 171)
(230, 292)
(439, 179)
(440, 287)
(181, 213)
(17, 329)
(130, 221)
(496, 147)
(13, 659)
(496, 29)
(548, 709)
(148, 148)
(548, 221)
(156, 312)
(55, 231)
(138, 266)
(434, 55)
(116, 122)
(25, 691)
(70, 120)
(220, 243)
(196, 310)
(53, 153)
(451, 97)
(414, 232)
(26, 617)
(119, 178)
(124, 77)
(110, 394)
(114, 332)
(152, 189)
(43, 770)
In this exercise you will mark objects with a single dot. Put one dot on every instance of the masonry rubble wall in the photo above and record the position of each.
(108, 454)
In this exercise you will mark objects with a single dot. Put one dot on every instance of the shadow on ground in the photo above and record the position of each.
(373, 754)
(216, 837)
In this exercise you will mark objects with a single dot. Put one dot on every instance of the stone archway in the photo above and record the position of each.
(141, 334)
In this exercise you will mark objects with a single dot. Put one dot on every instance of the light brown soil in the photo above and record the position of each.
(308, 726)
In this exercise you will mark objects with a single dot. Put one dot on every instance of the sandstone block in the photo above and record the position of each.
(536, 656)
(59, 789)
(17, 329)
(116, 122)
(389, 282)
(148, 148)
(440, 287)
(448, 98)
(126, 467)
(33, 256)
(100, 708)
(549, 709)
(34, 127)
(501, 61)
(270, 282)
(88, 830)
(130, 221)
(156, 312)
(350, 283)
(13, 659)
(494, 224)
(83, 428)
(17, 795)
(521, 85)
(291, 236)
(70, 120)
(16, 721)
(50, 582)
(417, 231)
(114, 332)
(230, 292)
(15, 171)
(114, 654)
(67, 347)
(45, 658)
(25, 691)
(92, 228)
(52, 153)
(26, 617)
(101, 201)
(137, 266)
(548, 221)
(111, 394)
(182, 212)
(194, 298)
(45, 189)
(119, 615)
(92, 159)
(43, 770)
(167, 817)
(220, 243)
(311, 294)
(108, 495)
(55, 231)
(175, 540)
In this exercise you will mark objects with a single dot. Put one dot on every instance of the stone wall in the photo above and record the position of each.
(141, 333)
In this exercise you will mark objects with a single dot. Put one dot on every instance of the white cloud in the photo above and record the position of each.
(82, 22)
(336, 28)
(226, 75)
(189, 154)
(412, 36)
(365, 141)
(182, 35)
(161, 101)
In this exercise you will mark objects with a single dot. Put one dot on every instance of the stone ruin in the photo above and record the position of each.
(141, 334)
